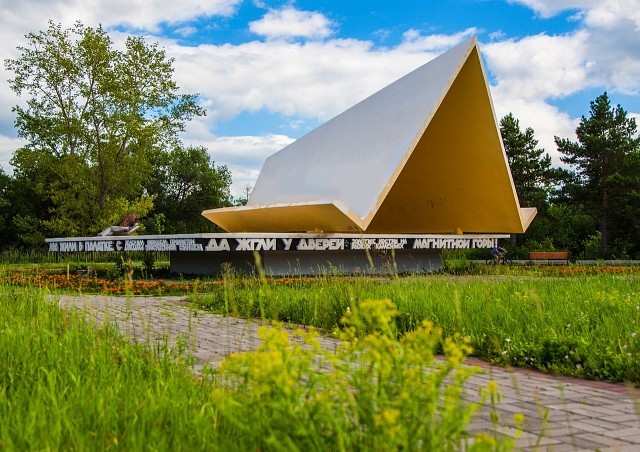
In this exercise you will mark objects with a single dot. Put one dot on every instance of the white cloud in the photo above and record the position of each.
(186, 31)
(382, 34)
(541, 66)
(614, 44)
(292, 23)
(8, 146)
(608, 14)
(549, 8)
(546, 120)
(137, 14)
(497, 35)
(243, 155)
(414, 41)
(312, 80)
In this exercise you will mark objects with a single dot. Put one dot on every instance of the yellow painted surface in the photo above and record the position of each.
(326, 217)
(457, 177)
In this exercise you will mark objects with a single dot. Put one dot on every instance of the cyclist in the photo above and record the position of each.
(497, 252)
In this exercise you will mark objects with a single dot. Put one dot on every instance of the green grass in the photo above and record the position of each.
(69, 384)
(581, 325)
(66, 384)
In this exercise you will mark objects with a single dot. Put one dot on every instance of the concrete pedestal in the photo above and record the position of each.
(287, 254)
(283, 263)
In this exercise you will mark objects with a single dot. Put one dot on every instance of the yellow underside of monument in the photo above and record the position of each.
(455, 179)
(325, 217)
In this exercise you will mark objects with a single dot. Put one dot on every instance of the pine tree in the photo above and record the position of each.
(604, 179)
(533, 175)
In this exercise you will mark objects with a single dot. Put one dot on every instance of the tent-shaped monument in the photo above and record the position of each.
(422, 155)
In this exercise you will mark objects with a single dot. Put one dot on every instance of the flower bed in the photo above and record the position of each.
(82, 283)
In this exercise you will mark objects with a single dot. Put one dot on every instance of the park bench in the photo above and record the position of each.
(549, 256)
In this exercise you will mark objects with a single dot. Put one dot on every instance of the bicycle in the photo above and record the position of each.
(503, 259)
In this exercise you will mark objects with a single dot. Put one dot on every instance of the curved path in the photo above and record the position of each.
(562, 414)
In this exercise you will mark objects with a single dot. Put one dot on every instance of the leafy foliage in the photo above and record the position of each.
(531, 169)
(186, 182)
(373, 393)
(5, 203)
(96, 121)
(605, 180)
(566, 226)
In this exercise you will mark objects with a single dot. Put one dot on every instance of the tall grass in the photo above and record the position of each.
(69, 385)
(584, 325)
(66, 384)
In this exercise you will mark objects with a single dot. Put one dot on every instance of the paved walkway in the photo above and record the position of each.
(562, 414)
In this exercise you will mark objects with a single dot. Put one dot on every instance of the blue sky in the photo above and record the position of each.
(384, 21)
(270, 71)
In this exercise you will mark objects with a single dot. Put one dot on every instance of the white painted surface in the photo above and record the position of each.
(352, 157)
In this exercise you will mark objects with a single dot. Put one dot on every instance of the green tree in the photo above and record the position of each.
(95, 118)
(186, 182)
(5, 182)
(5, 205)
(605, 176)
(533, 175)
(17, 227)
(565, 225)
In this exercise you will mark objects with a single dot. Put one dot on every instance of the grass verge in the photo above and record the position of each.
(584, 325)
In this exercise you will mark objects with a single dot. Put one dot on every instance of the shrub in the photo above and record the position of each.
(374, 393)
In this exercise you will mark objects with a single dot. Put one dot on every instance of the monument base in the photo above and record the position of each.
(286, 263)
(287, 254)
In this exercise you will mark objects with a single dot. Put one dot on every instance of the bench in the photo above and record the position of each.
(549, 256)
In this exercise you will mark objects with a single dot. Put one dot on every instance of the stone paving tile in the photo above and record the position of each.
(635, 439)
(605, 424)
(600, 400)
(623, 418)
(561, 431)
(630, 448)
(626, 433)
(480, 425)
(606, 441)
(561, 413)
(580, 442)
(635, 423)
(588, 410)
(589, 425)
(562, 447)
(537, 441)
